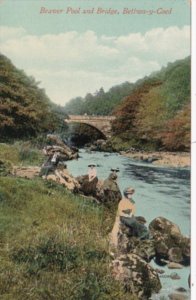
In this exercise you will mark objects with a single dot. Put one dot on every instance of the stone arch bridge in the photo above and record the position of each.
(101, 123)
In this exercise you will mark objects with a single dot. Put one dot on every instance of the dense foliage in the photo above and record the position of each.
(101, 103)
(25, 109)
(156, 114)
(152, 114)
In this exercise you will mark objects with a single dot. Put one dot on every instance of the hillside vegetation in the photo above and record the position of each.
(101, 103)
(156, 114)
(25, 109)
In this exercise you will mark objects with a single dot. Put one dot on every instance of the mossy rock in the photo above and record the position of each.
(136, 275)
(169, 242)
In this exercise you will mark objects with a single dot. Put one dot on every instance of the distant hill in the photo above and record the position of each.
(156, 114)
(152, 114)
(25, 109)
(101, 103)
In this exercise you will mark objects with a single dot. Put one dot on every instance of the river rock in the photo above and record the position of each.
(123, 242)
(174, 276)
(181, 290)
(150, 159)
(141, 219)
(175, 254)
(173, 265)
(66, 152)
(62, 176)
(169, 242)
(145, 249)
(97, 145)
(160, 271)
(136, 275)
(176, 296)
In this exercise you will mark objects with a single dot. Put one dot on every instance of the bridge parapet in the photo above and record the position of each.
(91, 118)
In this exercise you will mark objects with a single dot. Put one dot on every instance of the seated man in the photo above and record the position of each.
(50, 165)
(125, 216)
(111, 191)
(88, 186)
(127, 212)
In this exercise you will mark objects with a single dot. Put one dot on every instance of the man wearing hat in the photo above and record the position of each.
(92, 173)
(111, 190)
(50, 165)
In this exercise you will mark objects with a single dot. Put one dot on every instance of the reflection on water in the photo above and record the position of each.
(155, 174)
(160, 191)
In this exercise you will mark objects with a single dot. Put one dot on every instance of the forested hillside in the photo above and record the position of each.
(156, 114)
(101, 103)
(25, 109)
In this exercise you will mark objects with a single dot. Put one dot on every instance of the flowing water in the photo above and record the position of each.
(159, 191)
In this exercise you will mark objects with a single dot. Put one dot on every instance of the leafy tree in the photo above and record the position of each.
(126, 122)
(151, 115)
(156, 114)
(176, 134)
(25, 109)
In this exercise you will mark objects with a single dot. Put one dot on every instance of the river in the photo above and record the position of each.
(159, 191)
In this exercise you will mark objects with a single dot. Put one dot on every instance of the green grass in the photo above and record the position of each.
(54, 245)
(21, 153)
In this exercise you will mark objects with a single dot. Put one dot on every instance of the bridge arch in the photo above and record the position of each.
(101, 123)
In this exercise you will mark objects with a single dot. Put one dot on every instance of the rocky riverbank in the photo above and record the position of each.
(162, 158)
(132, 256)
(168, 159)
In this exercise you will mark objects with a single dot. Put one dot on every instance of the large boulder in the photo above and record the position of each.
(128, 243)
(178, 296)
(136, 275)
(62, 176)
(169, 242)
(57, 145)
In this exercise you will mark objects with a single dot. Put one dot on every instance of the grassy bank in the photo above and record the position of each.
(21, 153)
(54, 245)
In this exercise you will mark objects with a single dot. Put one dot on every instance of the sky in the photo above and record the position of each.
(72, 53)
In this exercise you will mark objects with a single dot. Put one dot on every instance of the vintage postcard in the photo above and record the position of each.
(95, 135)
